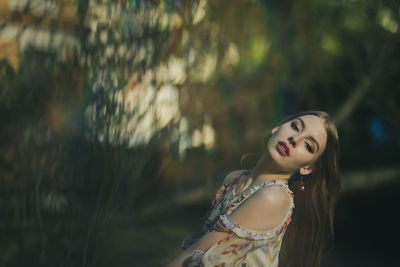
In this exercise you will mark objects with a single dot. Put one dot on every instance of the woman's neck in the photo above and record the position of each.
(266, 170)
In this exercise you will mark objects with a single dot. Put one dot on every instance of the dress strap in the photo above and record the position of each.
(277, 182)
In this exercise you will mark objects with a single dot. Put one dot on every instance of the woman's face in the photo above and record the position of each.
(298, 143)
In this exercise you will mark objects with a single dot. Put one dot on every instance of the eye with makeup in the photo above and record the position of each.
(294, 126)
(309, 147)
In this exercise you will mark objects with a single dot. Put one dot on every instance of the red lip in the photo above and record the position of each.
(283, 148)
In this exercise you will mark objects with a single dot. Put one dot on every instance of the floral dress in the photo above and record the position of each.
(242, 247)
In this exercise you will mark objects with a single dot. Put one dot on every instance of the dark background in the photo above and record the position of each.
(119, 119)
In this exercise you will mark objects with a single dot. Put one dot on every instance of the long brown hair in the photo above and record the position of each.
(311, 230)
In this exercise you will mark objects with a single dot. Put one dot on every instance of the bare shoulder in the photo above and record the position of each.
(232, 175)
(264, 210)
(275, 196)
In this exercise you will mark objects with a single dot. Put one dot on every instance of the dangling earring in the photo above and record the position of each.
(301, 183)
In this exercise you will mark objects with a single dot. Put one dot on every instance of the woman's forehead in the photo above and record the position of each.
(314, 120)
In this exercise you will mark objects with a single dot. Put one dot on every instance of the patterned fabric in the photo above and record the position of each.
(241, 247)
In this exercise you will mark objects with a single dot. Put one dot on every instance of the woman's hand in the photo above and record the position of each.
(203, 244)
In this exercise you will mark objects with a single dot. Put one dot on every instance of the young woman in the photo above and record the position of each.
(248, 224)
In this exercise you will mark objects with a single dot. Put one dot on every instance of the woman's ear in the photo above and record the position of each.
(306, 170)
(275, 129)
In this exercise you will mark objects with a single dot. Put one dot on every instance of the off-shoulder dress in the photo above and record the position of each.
(241, 247)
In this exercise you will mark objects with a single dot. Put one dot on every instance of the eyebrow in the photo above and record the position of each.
(303, 125)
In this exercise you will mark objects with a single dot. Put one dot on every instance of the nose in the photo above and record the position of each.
(292, 141)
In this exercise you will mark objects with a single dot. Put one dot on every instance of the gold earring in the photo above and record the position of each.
(301, 185)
